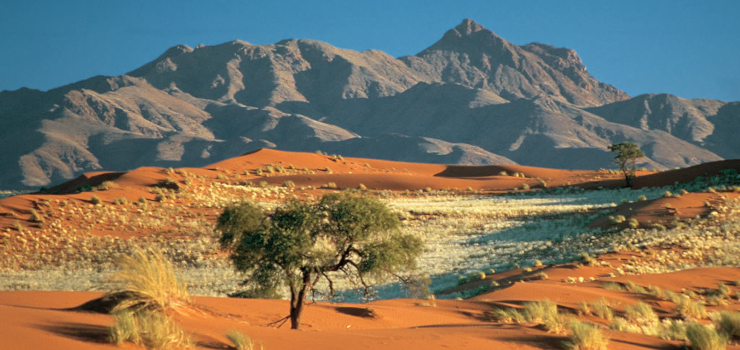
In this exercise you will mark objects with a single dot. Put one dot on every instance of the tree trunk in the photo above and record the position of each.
(296, 302)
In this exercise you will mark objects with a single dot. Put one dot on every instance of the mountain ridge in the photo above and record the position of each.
(470, 98)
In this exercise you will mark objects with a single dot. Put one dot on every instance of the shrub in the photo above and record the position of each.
(95, 200)
(288, 183)
(258, 172)
(240, 340)
(125, 328)
(640, 313)
(540, 311)
(36, 217)
(508, 315)
(153, 330)
(633, 223)
(672, 329)
(613, 286)
(106, 185)
(728, 324)
(602, 310)
(147, 281)
(585, 337)
(691, 309)
(704, 338)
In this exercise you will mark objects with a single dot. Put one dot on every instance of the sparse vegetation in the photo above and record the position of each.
(704, 338)
(585, 336)
(152, 330)
(602, 309)
(728, 324)
(240, 340)
(147, 281)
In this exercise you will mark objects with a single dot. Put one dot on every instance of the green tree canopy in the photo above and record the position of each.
(300, 244)
(625, 155)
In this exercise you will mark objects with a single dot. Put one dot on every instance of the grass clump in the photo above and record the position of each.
(688, 308)
(640, 313)
(95, 200)
(36, 217)
(152, 330)
(602, 310)
(613, 286)
(147, 281)
(240, 340)
(728, 324)
(539, 311)
(585, 336)
(704, 338)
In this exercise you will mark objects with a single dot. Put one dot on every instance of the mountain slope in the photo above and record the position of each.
(470, 98)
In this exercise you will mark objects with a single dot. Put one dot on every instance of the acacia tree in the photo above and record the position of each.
(300, 244)
(626, 155)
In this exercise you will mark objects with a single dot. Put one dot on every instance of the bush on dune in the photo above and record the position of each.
(585, 336)
(147, 280)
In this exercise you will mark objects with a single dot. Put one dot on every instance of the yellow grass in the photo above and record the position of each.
(148, 281)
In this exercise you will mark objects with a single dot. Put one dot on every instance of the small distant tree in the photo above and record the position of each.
(626, 155)
(300, 244)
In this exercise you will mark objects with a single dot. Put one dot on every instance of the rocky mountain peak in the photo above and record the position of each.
(468, 26)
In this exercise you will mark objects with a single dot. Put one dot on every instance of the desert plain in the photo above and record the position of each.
(498, 240)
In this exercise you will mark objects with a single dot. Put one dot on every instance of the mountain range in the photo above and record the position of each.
(470, 98)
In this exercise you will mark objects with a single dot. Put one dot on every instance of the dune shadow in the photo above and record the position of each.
(357, 312)
(668, 347)
(214, 344)
(80, 331)
(540, 341)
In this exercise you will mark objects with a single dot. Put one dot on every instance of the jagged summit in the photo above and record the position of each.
(468, 26)
(468, 36)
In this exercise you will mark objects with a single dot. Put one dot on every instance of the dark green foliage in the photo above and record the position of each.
(625, 155)
(301, 243)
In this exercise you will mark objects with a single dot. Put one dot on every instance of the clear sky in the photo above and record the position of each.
(687, 48)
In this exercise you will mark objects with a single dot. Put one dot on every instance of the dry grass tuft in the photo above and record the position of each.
(602, 310)
(240, 340)
(688, 308)
(728, 324)
(148, 281)
(152, 330)
(585, 337)
(704, 338)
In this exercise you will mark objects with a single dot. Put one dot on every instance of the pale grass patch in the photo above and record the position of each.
(704, 338)
(153, 330)
(241, 341)
(586, 336)
(147, 280)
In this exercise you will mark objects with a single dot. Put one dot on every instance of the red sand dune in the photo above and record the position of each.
(43, 320)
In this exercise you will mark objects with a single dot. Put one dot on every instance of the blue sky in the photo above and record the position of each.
(687, 48)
